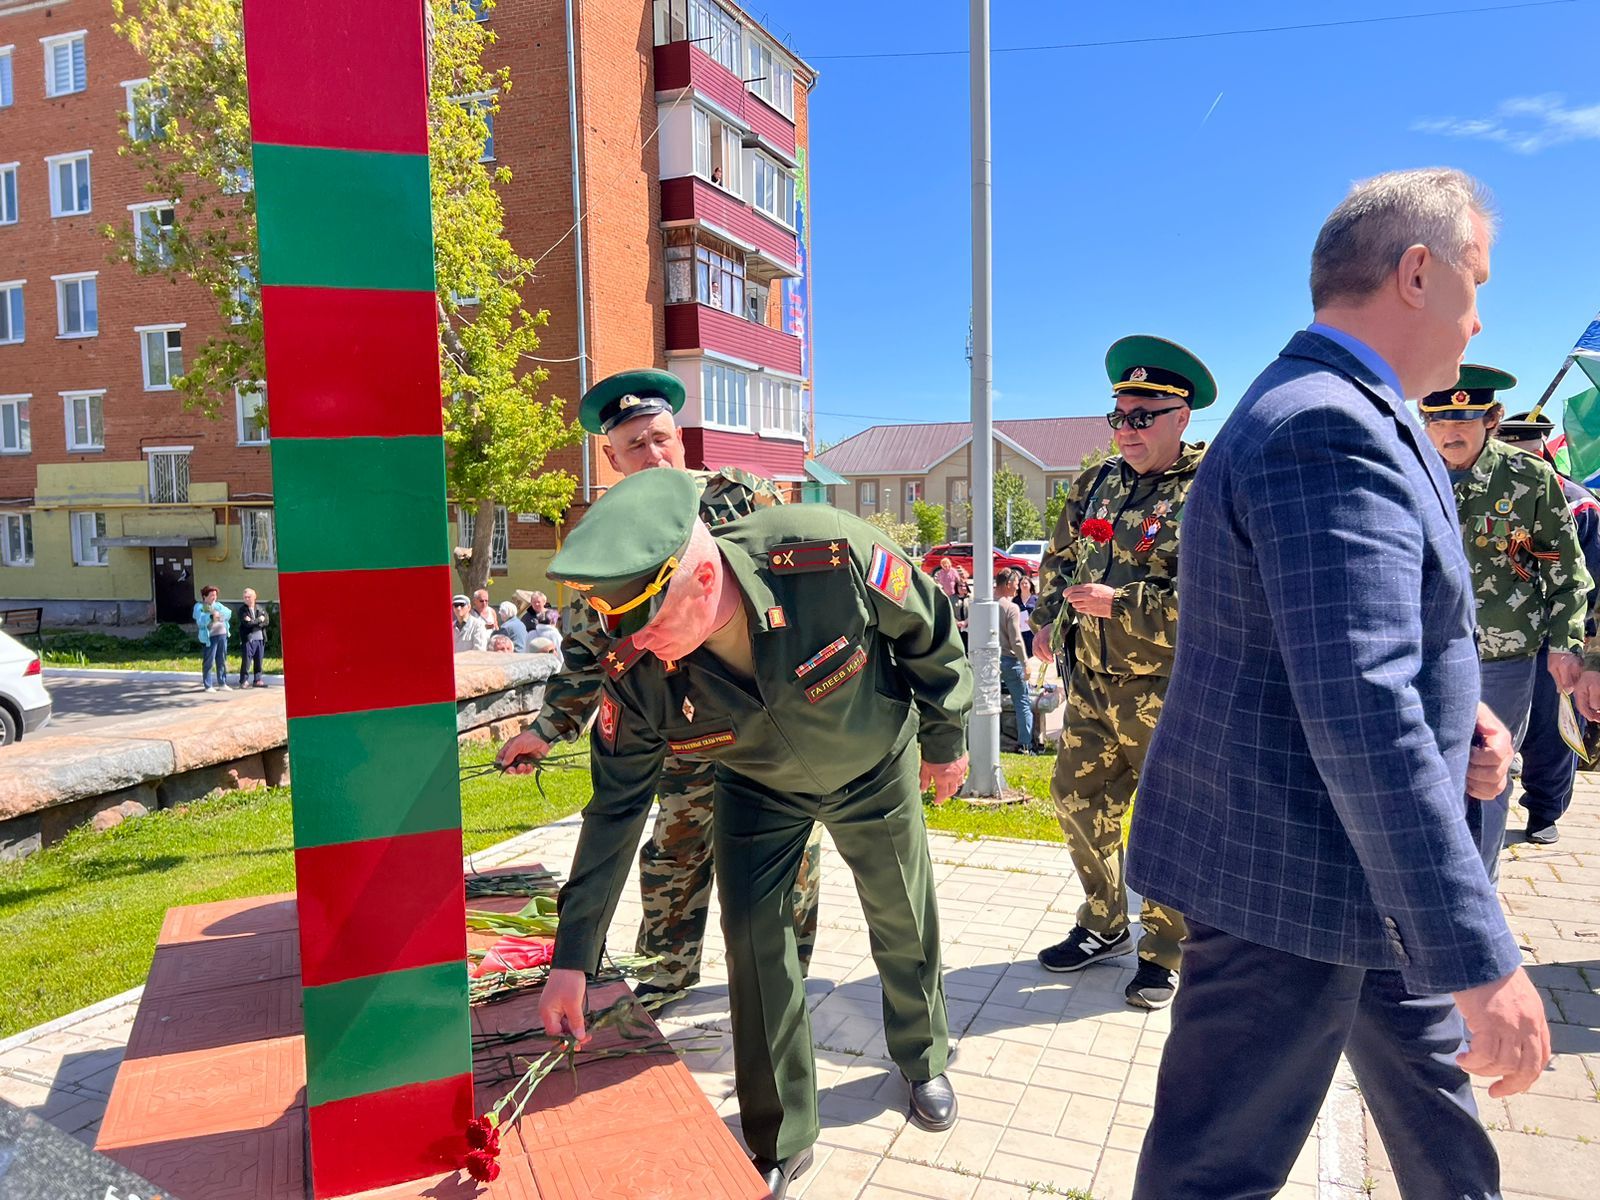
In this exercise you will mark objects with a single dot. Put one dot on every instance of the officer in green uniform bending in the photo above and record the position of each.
(816, 668)
(634, 412)
(1108, 605)
(1527, 565)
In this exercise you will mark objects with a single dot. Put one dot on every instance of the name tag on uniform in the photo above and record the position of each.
(699, 743)
(824, 687)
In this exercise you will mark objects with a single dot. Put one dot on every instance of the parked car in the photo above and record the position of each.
(1032, 551)
(24, 703)
(960, 555)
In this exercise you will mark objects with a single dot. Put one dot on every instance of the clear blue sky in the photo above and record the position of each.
(1121, 207)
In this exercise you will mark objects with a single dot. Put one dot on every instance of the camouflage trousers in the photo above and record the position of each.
(675, 879)
(1104, 738)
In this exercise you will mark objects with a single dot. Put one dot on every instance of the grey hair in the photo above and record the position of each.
(507, 609)
(1363, 240)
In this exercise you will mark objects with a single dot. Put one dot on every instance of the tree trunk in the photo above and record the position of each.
(476, 574)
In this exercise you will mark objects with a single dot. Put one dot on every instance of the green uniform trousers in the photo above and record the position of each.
(877, 828)
(1104, 738)
(675, 879)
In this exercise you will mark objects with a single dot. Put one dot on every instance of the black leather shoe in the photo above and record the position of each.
(776, 1173)
(933, 1104)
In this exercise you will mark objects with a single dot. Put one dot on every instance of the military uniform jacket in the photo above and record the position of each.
(1527, 566)
(570, 695)
(854, 651)
(1139, 561)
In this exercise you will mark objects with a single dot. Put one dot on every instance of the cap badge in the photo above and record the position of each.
(630, 401)
(1138, 375)
(1459, 397)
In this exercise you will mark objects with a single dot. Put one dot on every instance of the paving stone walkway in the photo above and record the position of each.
(1055, 1074)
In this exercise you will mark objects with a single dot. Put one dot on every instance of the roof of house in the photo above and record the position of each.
(1054, 443)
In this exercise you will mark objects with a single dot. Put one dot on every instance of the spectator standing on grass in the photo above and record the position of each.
(1014, 657)
(211, 619)
(253, 630)
(511, 627)
(471, 632)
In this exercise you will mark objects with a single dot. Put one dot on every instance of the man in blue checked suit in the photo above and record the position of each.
(1304, 799)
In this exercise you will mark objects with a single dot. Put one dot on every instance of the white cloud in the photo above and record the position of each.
(1524, 124)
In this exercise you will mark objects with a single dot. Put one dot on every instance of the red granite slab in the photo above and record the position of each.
(204, 1091)
(218, 963)
(229, 918)
(250, 1012)
(264, 1162)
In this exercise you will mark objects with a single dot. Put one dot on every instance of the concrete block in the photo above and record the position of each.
(189, 786)
(275, 763)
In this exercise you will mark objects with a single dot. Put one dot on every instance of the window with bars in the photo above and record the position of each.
(169, 476)
(152, 233)
(77, 305)
(260, 539)
(85, 420)
(15, 435)
(87, 530)
(70, 191)
(252, 405)
(16, 539)
(11, 324)
(66, 64)
(499, 540)
(8, 192)
(162, 348)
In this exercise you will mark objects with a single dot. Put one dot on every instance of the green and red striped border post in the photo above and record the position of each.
(339, 121)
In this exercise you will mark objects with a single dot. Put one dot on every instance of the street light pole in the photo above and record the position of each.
(983, 629)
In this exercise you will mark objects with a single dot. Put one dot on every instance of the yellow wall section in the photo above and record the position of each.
(55, 577)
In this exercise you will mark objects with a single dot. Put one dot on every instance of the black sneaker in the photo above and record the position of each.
(1153, 986)
(1082, 949)
(1543, 833)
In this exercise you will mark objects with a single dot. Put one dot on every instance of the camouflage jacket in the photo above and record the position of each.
(1140, 562)
(571, 696)
(1522, 545)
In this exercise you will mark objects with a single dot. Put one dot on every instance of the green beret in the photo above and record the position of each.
(1142, 365)
(622, 397)
(1472, 397)
(617, 551)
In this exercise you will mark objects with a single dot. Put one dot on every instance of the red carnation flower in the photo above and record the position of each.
(483, 1136)
(1097, 530)
(481, 1165)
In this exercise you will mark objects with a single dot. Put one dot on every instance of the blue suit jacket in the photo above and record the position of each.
(1305, 788)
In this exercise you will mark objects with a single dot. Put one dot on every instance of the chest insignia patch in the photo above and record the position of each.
(1162, 508)
(688, 709)
(609, 720)
(1503, 505)
(794, 557)
(622, 656)
(852, 666)
(1147, 534)
(775, 617)
(820, 657)
(702, 742)
(888, 575)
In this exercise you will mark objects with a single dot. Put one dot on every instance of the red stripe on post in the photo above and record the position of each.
(404, 895)
(343, 663)
(340, 76)
(350, 362)
(390, 1137)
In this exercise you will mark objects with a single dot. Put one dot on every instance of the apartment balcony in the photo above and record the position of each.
(771, 250)
(701, 327)
(683, 65)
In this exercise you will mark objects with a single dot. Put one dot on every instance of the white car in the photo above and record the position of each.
(24, 703)
(1032, 551)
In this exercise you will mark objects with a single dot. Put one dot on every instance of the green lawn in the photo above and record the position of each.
(167, 648)
(78, 922)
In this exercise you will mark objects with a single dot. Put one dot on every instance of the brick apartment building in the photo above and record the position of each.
(687, 230)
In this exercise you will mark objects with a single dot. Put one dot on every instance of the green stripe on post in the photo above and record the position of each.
(379, 774)
(382, 1031)
(346, 490)
(344, 218)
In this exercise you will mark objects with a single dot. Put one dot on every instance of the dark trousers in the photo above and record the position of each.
(1548, 763)
(1256, 1035)
(1508, 686)
(253, 650)
(760, 838)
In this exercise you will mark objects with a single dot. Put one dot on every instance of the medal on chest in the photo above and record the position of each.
(1150, 527)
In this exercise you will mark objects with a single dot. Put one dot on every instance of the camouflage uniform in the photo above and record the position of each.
(675, 864)
(1117, 669)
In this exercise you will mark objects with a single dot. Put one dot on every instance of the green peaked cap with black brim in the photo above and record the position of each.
(1525, 427)
(630, 394)
(1142, 365)
(1472, 396)
(618, 550)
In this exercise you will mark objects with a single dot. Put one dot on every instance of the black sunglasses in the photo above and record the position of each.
(1139, 418)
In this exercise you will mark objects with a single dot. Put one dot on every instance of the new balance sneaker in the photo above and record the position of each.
(1153, 986)
(1083, 949)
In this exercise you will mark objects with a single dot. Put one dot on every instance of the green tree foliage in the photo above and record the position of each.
(498, 431)
(930, 522)
(1052, 509)
(1025, 523)
(901, 533)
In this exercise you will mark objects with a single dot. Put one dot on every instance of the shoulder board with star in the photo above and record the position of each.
(621, 657)
(791, 558)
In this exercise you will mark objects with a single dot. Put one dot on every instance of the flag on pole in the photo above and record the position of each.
(1581, 413)
(1557, 446)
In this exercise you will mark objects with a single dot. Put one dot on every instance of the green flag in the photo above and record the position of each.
(1581, 423)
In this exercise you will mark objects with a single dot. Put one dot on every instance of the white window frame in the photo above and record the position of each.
(16, 329)
(239, 394)
(250, 537)
(724, 396)
(96, 400)
(144, 332)
(867, 495)
(81, 552)
(8, 77)
(770, 76)
(151, 453)
(156, 109)
(782, 398)
(53, 164)
(499, 540)
(21, 422)
(9, 170)
(154, 208)
(475, 100)
(717, 33)
(24, 524)
(718, 144)
(49, 43)
(772, 189)
(62, 282)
